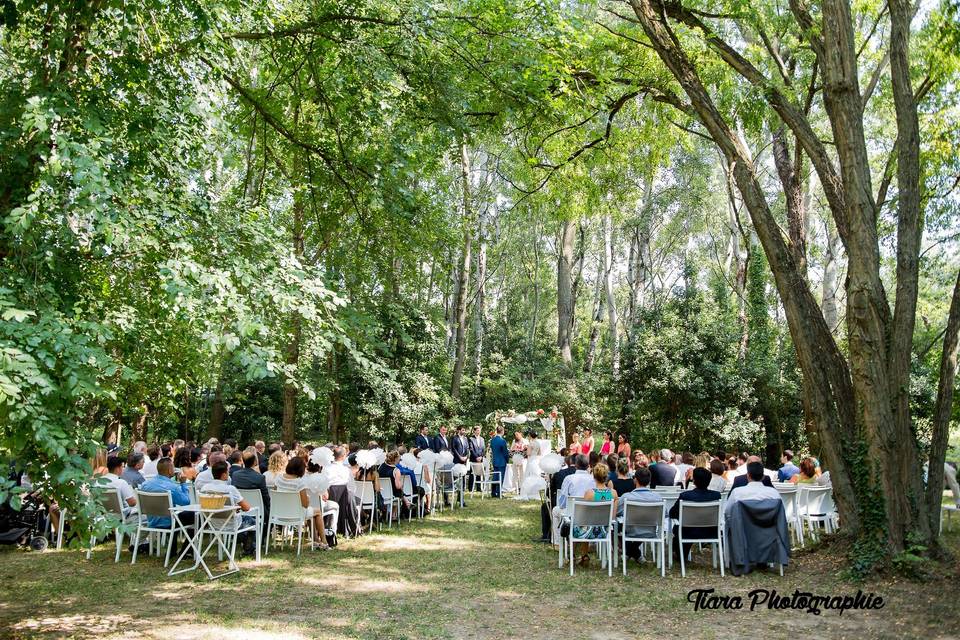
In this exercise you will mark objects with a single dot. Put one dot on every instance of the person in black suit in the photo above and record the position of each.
(440, 442)
(477, 445)
(701, 480)
(556, 480)
(248, 477)
(742, 480)
(460, 448)
(422, 441)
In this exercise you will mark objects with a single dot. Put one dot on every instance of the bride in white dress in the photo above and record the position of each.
(533, 482)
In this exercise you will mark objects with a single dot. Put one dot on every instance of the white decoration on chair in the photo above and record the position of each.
(459, 470)
(321, 456)
(445, 458)
(366, 459)
(551, 463)
(427, 457)
(408, 460)
(380, 454)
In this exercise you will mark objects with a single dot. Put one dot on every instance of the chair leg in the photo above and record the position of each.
(623, 553)
(166, 560)
(571, 555)
(683, 565)
(663, 560)
(118, 534)
(93, 542)
(720, 551)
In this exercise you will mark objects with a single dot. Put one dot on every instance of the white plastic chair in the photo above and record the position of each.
(791, 506)
(587, 513)
(701, 514)
(412, 497)
(645, 514)
(287, 511)
(229, 526)
(255, 499)
(819, 508)
(112, 505)
(368, 501)
(389, 499)
(159, 505)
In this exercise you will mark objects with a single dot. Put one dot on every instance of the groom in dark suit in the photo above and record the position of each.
(460, 448)
(499, 454)
(440, 442)
(422, 441)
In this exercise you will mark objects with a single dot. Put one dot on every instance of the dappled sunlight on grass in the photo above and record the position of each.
(410, 543)
(71, 624)
(357, 584)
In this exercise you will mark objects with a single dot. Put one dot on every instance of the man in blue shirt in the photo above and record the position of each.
(788, 470)
(164, 483)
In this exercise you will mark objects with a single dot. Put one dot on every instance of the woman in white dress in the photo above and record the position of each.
(533, 482)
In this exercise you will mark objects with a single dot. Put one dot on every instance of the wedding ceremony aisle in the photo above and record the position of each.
(473, 574)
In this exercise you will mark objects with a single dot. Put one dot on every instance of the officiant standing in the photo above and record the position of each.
(499, 453)
(477, 446)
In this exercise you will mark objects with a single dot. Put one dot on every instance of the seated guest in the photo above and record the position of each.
(623, 483)
(132, 474)
(389, 470)
(410, 473)
(639, 493)
(663, 474)
(599, 492)
(235, 460)
(112, 480)
(755, 489)
(684, 463)
(206, 475)
(556, 480)
(316, 484)
(741, 480)
(150, 462)
(717, 482)
(701, 493)
(183, 463)
(221, 484)
(250, 478)
(275, 466)
(99, 462)
(292, 480)
(731, 469)
(807, 474)
(788, 470)
(179, 493)
(426, 481)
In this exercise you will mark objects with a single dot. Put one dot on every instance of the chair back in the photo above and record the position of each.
(367, 493)
(254, 498)
(156, 504)
(644, 514)
(789, 497)
(109, 499)
(587, 513)
(477, 469)
(224, 519)
(386, 489)
(286, 505)
(445, 478)
(192, 489)
(819, 501)
(407, 486)
(699, 514)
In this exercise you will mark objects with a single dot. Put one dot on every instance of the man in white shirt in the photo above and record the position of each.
(221, 484)
(577, 483)
(206, 476)
(151, 456)
(338, 473)
(742, 460)
(112, 480)
(754, 489)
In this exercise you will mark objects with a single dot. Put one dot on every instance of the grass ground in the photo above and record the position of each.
(470, 574)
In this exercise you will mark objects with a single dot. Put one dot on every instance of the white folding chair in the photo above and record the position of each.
(670, 496)
(287, 511)
(412, 497)
(478, 472)
(701, 514)
(587, 513)
(446, 485)
(819, 508)
(157, 505)
(368, 501)
(389, 499)
(791, 506)
(649, 515)
(255, 499)
(113, 509)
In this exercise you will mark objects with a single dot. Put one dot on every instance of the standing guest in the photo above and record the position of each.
(607, 447)
(249, 477)
(179, 494)
(575, 443)
(277, 463)
(623, 483)
(663, 474)
(700, 493)
(788, 470)
(440, 442)
(586, 447)
(807, 474)
(639, 493)
(519, 444)
(183, 464)
(499, 454)
(460, 448)
(477, 446)
(599, 492)
(717, 482)
(206, 475)
(422, 440)
(623, 449)
(132, 474)
(150, 463)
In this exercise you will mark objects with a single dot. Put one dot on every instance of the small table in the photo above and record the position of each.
(203, 523)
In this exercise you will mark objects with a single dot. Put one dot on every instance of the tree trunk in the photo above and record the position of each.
(596, 318)
(215, 429)
(464, 279)
(608, 254)
(831, 284)
(138, 430)
(790, 180)
(334, 404)
(943, 411)
(565, 303)
(288, 428)
(111, 432)
(480, 301)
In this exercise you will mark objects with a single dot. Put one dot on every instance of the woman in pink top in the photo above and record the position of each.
(607, 447)
(587, 445)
